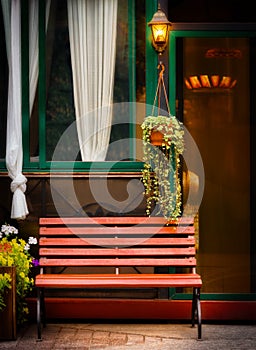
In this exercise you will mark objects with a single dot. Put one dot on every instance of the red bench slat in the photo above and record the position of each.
(118, 281)
(122, 262)
(106, 230)
(117, 241)
(115, 220)
(117, 251)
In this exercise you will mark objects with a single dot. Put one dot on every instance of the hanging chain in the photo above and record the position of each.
(160, 85)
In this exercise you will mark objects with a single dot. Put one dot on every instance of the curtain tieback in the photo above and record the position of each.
(19, 182)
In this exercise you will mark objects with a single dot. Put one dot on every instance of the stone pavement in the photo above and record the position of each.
(134, 336)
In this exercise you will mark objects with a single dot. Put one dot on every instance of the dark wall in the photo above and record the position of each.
(211, 11)
(74, 195)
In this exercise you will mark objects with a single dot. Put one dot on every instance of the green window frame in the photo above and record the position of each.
(43, 164)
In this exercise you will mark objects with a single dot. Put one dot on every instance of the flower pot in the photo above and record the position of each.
(8, 313)
(157, 138)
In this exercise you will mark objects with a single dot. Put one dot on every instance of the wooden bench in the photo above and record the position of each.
(117, 242)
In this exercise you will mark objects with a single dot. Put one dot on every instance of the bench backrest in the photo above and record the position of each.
(117, 242)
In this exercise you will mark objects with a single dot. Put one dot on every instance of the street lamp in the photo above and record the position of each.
(160, 27)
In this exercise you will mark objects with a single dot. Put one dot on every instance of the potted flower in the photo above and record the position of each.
(15, 266)
(160, 174)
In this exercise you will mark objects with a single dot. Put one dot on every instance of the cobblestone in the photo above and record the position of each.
(87, 336)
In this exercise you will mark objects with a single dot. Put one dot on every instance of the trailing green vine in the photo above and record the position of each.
(160, 174)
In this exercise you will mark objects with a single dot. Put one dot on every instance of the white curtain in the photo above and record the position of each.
(14, 154)
(92, 31)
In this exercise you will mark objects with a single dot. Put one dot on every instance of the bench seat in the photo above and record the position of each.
(138, 251)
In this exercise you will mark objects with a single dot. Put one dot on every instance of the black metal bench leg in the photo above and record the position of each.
(196, 311)
(193, 310)
(38, 313)
(199, 313)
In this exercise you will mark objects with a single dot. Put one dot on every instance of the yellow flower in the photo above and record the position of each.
(14, 251)
(22, 274)
(25, 310)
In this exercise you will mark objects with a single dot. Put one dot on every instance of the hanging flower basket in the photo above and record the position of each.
(163, 131)
(160, 174)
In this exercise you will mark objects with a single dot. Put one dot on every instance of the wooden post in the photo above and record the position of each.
(8, 314)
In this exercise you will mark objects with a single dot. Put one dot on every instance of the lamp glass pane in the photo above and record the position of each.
(159, 33)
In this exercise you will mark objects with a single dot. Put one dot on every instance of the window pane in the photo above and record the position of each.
(60, 112)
